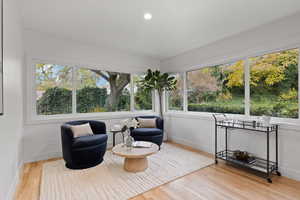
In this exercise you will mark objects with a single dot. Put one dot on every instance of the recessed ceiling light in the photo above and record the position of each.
(147, 16)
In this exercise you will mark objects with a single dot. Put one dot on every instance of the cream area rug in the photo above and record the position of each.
(109, 181)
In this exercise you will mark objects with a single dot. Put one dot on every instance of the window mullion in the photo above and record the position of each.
(298, 83)
(34, 88)
(167, 94)
(74, 87)
(154, 100)
(247, 87)
(131, 93)
(185, 103)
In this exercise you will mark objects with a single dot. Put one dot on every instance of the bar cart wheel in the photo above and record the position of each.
(278, 173)
(269, 180)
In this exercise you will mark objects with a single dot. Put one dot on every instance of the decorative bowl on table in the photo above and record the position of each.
(243, 156)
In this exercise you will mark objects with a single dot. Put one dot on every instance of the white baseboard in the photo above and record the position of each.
(13, 187)
(43, 157)
(188, 143)
(50, 155)
(285, 171)
(290, 173)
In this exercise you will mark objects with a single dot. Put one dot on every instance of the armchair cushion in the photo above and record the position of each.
(81, 130)
(159, 120)
(96, 126)
(90, 140)
(147, 123)
(146, 132)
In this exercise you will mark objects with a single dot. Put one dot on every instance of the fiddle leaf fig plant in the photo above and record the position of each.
(160, 82)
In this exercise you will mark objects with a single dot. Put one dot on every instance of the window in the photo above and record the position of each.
(272, 78)
(53, 89)
(142, 99)
(89, 91)
(175, 97)
(274, 84)
(217, 89)
(102, 91)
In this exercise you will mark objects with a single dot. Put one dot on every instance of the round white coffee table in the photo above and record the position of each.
(135, 158)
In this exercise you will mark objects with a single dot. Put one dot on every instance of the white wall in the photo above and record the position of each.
(198, 131)
(280, 34)
(11, 121)
(41, 139)
(50, 48)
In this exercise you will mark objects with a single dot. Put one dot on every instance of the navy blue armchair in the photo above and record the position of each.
(154, 135)
(85, 151)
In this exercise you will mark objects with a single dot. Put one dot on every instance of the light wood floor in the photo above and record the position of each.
(212, 183)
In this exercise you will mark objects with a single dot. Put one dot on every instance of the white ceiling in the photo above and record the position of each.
(177, 25)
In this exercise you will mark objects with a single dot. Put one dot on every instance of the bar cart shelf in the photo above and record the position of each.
(265, 166)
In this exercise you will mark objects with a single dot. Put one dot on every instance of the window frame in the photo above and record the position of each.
(246, 90)
(132, 95)
(30, 112)
(223, 63)
(167, 96)
(249, 77)
(76, 85)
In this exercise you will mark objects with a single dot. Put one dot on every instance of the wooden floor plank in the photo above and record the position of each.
(216, 182)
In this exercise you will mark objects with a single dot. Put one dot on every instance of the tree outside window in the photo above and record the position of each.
(53, 89)
(102, 91)
(175, 97)
(96, 90)
(218, 89)
(274, 84)
(142, 98)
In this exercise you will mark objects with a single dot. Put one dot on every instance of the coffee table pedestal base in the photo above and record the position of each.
(136, 164)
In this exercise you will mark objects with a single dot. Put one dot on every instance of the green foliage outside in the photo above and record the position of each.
(176, 102)
(143, 99)
(263, 105)
(59, 101)
(273, 86)
(55, 101)
(217, 89)
(175, 97)
(124, 101)
(97, 91)
(234, 106)
(91, 99)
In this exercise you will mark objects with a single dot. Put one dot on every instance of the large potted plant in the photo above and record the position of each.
(160, 82)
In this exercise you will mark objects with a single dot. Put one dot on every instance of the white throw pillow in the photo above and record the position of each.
(147, 122)
(81, 130)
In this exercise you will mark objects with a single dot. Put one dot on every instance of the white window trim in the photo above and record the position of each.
(31, 116)
(299, 84)
(290, 122)
(132, 94)
(247, 86)
(74, 89)
(167, 94)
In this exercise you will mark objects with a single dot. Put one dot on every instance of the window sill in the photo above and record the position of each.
(54, 119)
(286, 124)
